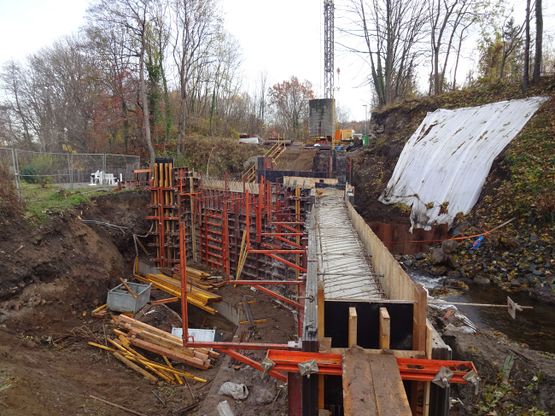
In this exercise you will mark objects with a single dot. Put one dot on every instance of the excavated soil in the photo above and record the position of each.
(53, 276)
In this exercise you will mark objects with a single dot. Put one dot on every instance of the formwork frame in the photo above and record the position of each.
(272, 228)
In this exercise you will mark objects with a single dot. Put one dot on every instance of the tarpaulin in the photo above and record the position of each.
(445, 163)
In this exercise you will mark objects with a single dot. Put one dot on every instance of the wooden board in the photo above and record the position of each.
(372, 385)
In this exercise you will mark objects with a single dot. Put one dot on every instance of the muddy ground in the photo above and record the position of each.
(52, 276)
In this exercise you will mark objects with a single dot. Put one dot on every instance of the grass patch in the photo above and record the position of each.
(41, 201)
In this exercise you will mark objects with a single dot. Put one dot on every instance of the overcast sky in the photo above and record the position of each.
(279, 37)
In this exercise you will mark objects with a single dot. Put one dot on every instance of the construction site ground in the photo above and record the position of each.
(54, 275)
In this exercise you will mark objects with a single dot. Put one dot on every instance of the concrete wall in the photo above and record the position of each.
(395, 282)
(322, 117)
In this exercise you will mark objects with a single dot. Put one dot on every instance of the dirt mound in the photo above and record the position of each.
(66, 262)
(51, 277)
(296, 157)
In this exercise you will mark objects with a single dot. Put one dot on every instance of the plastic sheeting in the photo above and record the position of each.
(444, 165)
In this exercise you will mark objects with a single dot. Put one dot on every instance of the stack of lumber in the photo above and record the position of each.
(195, 295)
(201, 279)
(161, 342)
(130, 333)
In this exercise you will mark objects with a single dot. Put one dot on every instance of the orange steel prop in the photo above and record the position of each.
(411, 369)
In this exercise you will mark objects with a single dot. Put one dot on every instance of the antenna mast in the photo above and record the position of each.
(328, 48)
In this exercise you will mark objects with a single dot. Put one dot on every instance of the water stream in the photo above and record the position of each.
(535, 327)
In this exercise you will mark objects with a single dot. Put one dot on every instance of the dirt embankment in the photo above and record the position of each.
(51, 277)
(521, 185)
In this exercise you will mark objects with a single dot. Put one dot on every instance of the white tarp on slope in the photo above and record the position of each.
(447, 159)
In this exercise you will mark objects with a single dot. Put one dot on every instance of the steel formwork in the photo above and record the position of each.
(251, 238)
(257, 238)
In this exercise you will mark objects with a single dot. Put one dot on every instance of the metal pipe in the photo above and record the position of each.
(276, 251)
(240, 345)
(287, 262)
(265, 282)
(183, 272)
(278, 296)
(281, 234)
(254, 364)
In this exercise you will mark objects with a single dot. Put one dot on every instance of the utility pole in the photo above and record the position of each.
(328, 48)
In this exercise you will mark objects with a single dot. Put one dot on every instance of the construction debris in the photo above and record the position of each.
(195, 296)
(100, 312)
(118, 406)
(201, 279)
(162, 343)
(235, 390)
(130, 333)
(224, 409)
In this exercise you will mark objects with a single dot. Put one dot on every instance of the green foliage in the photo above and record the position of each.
(492, 397)
(502, 399)
(41, 201)
(33, 172)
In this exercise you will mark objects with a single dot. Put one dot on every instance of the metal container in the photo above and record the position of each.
(120, 300)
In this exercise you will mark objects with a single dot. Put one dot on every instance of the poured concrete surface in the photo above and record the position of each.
(343, 264)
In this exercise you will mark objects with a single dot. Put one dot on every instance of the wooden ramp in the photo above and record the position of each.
(372, 385)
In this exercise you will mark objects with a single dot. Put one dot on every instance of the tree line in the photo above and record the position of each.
(140, 76)
(397, 38)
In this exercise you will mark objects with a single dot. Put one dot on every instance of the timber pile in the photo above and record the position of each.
(130, 333)
(203, 280)
(162, 343)
(196, 296)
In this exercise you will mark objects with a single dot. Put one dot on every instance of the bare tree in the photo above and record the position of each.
(512, 39)
(290, 102)
(107, 44)
(392, 31)
(12, 79)
(446, 19)
(539, 42)
(526, 72)
(195, 31)
(134, 17)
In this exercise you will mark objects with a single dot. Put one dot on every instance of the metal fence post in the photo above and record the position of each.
(104, 163)
(16, 171)
(70, 169)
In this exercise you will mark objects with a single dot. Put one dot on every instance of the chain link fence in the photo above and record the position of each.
(66, 169)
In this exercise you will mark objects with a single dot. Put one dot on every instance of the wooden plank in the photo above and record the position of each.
(358, 385)
(135, 367)
(352, 327)
(395, 353)
(324, 344)
(372, 385)
(385, 328)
